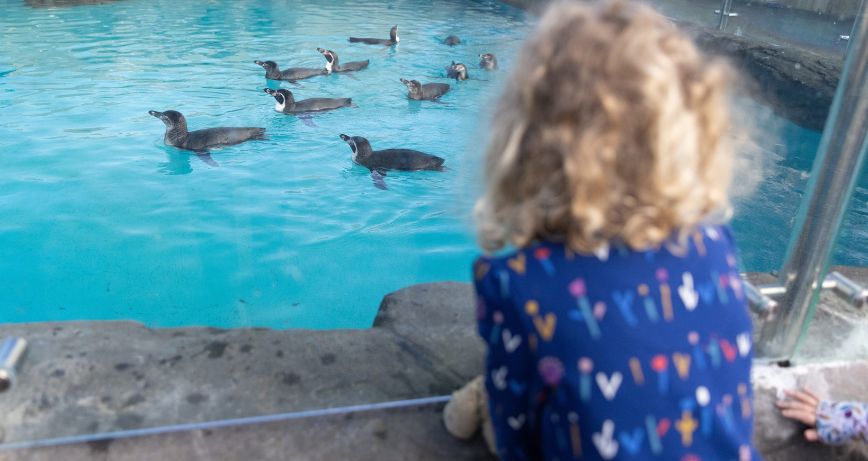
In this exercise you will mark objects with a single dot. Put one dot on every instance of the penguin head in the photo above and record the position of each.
(413, 86)
(487, 61)
(360, 146)
(331, 58)
(393, 34)
(172, 118)
(267, 65)
(458, 70)
(282, 96)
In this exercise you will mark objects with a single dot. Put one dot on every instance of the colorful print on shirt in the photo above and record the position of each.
(620, 354)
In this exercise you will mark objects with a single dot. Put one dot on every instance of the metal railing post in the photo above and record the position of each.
(725, 6)
(836, 169)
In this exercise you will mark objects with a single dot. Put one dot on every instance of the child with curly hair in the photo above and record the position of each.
(616, 322)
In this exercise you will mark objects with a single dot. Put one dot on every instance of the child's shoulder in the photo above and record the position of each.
(515, 258)
(485, 264)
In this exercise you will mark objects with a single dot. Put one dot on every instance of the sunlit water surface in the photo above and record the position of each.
(100, 220)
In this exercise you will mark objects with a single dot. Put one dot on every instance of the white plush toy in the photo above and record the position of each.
(467, 410)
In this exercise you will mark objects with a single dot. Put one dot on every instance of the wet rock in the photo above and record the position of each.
(797, 84)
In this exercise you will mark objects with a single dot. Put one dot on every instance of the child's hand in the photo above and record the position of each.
(802, 406)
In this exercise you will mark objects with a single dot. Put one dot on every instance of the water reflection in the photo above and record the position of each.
(178, 162)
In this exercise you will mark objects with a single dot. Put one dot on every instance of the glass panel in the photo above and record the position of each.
(839, 330)
(789, 54)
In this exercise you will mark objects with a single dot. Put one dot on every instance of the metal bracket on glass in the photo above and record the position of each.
(762, 298)
(733, 14)
(11, 353)
(855, 295)
(760, 303)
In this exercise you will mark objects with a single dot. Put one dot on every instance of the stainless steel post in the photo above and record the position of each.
(11, 353)
(725, 6)
(837, 166)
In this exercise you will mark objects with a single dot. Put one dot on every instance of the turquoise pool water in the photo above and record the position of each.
(100, 220)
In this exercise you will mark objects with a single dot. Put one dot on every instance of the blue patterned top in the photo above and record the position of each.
(622, 355)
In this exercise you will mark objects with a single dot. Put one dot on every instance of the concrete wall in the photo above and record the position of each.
(842, 8)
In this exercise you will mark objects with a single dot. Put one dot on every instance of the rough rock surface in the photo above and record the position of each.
(87, 377)
(798, 84)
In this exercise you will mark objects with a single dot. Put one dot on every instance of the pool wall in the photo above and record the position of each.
(796, 83)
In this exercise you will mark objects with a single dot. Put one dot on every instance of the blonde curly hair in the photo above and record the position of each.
(611, 129)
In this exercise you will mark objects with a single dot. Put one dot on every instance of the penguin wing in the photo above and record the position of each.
(205, 157)
(370, 41)
(378, 176)
(355, 65)
(434, 90)
(201, 140)
(298, 73)
(320, 104)
(406, 160)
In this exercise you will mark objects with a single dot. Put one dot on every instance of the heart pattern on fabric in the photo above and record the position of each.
(545, 326)
(682, 364)
(632, 441)
(609, 385)
(515, 422)
(518, 264)
(510, 341)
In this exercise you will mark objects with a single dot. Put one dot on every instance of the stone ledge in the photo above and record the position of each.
(779, 439)
(87, 377)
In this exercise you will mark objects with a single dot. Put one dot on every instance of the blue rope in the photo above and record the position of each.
(222, 423)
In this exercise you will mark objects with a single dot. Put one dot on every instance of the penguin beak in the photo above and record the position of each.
(156, 114)
(259, 63)
(321, 50)
(269, 91)
(345, 138)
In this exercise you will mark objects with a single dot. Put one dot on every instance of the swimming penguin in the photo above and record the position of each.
(429, 91)
(287, 104)
(452, 40)
(487, 61)
(333, 63)
(381, 161)
(393, 39)
(202, 140)
(457, 71)
(292, 74)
